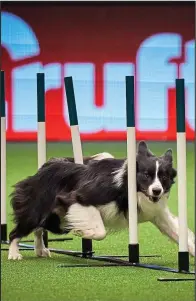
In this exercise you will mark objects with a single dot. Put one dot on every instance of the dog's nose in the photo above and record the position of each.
(156, 191)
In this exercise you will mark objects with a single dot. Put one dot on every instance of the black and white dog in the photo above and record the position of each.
(65, 197)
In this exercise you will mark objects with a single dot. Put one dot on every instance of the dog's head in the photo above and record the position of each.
(155, 175)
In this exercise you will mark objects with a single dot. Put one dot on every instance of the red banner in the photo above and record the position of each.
(98, 45)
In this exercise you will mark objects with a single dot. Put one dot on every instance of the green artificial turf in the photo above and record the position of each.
(37, 279)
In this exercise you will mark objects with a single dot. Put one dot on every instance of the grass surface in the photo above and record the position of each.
(35, 279)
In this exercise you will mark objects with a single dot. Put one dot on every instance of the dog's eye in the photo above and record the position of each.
(146, 175)
(164, 178)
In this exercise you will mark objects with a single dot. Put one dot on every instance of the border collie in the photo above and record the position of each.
(86, 200)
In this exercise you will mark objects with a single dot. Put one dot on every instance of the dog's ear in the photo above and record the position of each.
(168, 156)
(61, 200)
(65, 199)
(142, 148)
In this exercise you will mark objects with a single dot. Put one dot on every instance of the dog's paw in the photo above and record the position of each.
(77, 233)
(88, 234)
(14, 256)
(42, 252)
(95, 234)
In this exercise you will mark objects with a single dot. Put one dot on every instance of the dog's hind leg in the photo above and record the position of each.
(40, 249)
(83, 221)
(15, 235)
(14, 251)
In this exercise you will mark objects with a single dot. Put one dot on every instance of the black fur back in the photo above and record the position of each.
(34, 198)
(42, 200)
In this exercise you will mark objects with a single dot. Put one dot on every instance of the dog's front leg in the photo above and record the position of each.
(167, 223)
(40, 249)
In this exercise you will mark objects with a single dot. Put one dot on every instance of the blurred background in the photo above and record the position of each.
(98, 44)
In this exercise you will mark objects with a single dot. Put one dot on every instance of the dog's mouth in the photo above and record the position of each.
(154, 199)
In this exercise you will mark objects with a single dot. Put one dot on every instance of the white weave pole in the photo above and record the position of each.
(41, 129)
(76, 144)
(41, 120)
(3, 161)
(131, 161)
(183, 254)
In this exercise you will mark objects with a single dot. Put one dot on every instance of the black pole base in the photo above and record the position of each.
(183, 261)
(26, 247)
(3, 232)
(134, 253)
(87, 248)
(140, 256)
(175, 279)
(113, 262)
(20, 249)
(109, 261)
(51, 239)
(45, 238)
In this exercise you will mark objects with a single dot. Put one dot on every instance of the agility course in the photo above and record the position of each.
(133, 246)
(87, 251)
(41, 150)
(40, 278)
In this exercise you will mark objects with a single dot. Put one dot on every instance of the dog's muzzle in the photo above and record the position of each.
(154, 199)
(155, 194)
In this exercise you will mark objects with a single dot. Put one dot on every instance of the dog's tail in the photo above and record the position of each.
(32, 203)
(86, 159)
(101, 156)
(23, 199)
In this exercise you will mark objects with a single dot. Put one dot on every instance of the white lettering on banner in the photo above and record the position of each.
(155, 76)
(24, 95)
(83, 81)
(18, 37)
(187, 72)
(115, 94)
(21, 42)
(111, 116)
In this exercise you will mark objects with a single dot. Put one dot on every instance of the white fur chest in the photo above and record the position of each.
(147, 209)
(111, 217)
